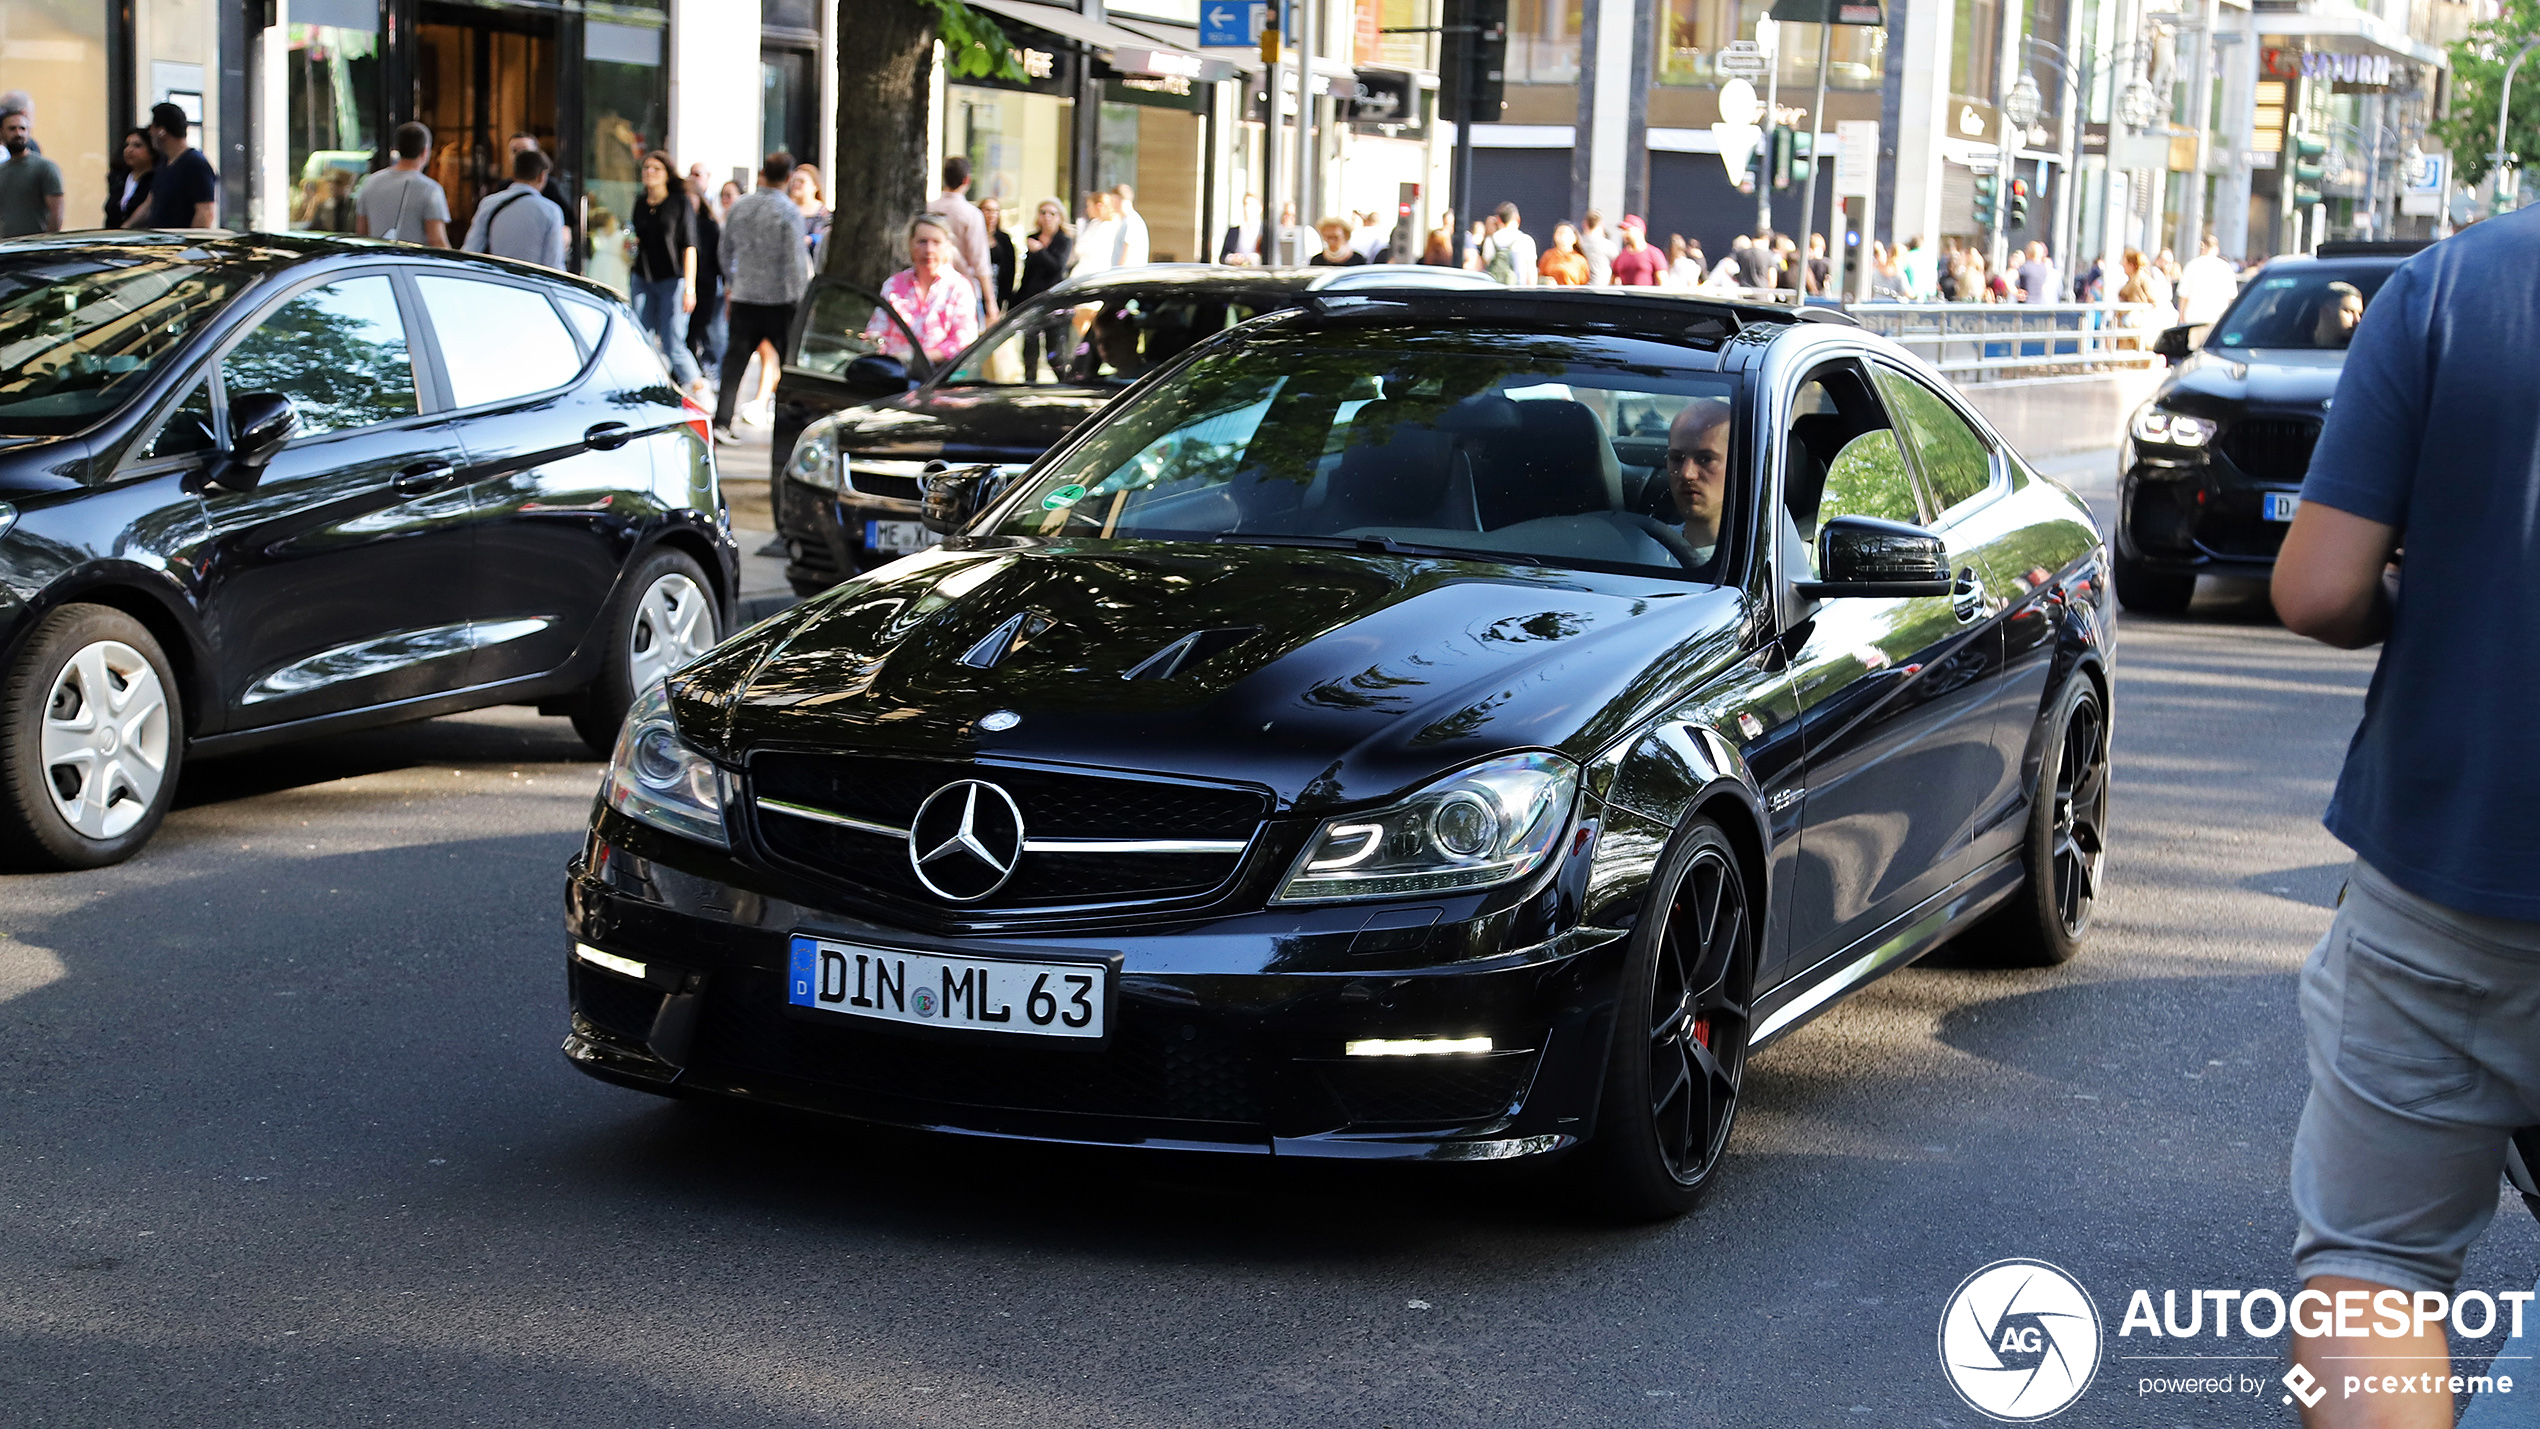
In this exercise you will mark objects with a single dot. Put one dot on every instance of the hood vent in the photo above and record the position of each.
(1182, 654)
(1011, 635)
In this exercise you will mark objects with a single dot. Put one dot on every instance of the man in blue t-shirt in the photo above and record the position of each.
(2422, 1004)
(185, 193)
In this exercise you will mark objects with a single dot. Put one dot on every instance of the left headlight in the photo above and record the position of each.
(2166, 428)
(814, 461)
(655, 778)
(1489, 824)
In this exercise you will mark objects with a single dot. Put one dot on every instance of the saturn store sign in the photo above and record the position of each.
(2346, 71)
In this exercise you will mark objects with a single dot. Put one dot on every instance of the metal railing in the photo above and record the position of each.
(1996, 342)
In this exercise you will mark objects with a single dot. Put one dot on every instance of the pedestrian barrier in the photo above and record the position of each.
(1976, 343)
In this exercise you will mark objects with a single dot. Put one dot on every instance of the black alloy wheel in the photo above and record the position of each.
(2066, 846)
(2146, 591)
(1680, 1037)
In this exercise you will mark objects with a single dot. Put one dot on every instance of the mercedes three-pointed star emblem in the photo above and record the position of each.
(965, 841)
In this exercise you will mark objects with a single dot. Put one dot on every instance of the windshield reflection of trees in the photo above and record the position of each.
(89, 331)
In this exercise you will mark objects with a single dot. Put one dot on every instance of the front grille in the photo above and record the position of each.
(2271, 449)
(1151, 1065)
(1055, 805)
(893, 480)
(1428, 1091)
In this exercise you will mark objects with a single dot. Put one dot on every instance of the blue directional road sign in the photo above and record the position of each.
(1232, 24)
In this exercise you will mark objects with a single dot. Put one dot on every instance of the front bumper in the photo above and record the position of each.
(2195, 511)
(1225, 1034)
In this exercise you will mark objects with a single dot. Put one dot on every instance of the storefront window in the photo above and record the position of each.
(333, 123)
(625, 109)
(1017, 143)
(1543, 41)
(56, 51)
(1691, 33)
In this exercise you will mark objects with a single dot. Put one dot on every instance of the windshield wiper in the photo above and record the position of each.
(1383, 545)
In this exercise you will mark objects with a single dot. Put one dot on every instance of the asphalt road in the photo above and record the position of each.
(285, 1139)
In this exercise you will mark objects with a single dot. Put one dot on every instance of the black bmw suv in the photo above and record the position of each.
(2210, 469)
(264, 486)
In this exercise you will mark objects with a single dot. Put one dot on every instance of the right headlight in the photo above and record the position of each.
(656, 778)
(1489, 824)
(815, 459)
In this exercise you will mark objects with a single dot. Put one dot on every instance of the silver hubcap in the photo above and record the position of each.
(105, 739)
(674, 624)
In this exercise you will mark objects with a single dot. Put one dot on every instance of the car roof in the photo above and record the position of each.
(270, 253)
(1650, 314)
(1204, 278)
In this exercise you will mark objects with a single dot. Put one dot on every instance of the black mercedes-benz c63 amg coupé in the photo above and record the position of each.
(263, 486)
(1459, 727)
(2210, 469)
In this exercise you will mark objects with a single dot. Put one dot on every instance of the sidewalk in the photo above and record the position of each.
(743, 469)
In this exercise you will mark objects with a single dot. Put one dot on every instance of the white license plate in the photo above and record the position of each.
(2280, 505)
(923, 990)
(899, 537)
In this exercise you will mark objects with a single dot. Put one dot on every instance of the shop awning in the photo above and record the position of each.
(1123, 49)
(1340, 81)
(2355, 26)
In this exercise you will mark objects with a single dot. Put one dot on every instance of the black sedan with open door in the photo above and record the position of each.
(260, 487)
(1461, 727)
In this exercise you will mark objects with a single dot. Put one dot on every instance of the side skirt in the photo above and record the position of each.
(1904, 939)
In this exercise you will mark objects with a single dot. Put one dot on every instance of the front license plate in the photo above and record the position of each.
(898, 537)
(2280, 505)
(923, 990)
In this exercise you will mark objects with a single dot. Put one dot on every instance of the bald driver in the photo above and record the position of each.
(1698, 472)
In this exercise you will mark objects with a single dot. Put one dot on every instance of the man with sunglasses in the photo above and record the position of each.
(1698, 472)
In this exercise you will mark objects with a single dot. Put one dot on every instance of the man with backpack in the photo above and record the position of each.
(1508, 255)
(520, 222)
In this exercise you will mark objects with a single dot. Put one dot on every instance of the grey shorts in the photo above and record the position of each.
(2424, 1033)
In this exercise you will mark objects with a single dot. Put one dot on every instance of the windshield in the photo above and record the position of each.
(1109, 343)
(2314, 307)
(1525, 449)
(81, 332)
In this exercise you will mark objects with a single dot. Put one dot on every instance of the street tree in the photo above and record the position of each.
(885, 66)
(2478, 72)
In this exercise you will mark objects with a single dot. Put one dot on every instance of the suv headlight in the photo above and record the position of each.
(814, 461)
(655, 778)
(1489, 824)
(2163, 427)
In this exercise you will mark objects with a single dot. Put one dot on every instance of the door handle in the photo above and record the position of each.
(422, 477)
(607, 436)
(1966, 594)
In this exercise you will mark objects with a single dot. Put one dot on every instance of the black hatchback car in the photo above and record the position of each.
(2210, 469)
(856, 426)
(264, 486)
(1455, 728)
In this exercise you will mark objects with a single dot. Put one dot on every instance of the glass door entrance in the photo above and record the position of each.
(481, 76)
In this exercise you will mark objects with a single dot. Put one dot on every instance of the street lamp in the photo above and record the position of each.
(2025, 103)
(2504, 108)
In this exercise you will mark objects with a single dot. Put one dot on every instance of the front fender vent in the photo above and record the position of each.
(1182, 654)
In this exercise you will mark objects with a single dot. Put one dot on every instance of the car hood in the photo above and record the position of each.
(2225, 381)
(1358, 675)
(970, 423)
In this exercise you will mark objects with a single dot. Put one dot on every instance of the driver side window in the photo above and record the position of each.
(841, 326)
(1840, 458)
(338, 351)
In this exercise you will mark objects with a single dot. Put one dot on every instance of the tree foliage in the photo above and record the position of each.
(2478, 72)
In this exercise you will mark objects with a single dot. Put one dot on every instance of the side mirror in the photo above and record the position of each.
(877, 373)
(259, 423)
(955, 495)
(1862, 555)
(2175, 343)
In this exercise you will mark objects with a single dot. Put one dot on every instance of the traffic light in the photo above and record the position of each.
(2310, 166)
(1986, 188)
(2019, 204)
(1785, 145)
(1472, 68)
(1801, 170)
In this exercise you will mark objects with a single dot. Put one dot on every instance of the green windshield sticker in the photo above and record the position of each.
(1062, 498)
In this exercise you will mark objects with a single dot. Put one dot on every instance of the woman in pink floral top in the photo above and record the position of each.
(930, 295)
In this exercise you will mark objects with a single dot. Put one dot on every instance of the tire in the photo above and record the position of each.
(662, 617)
(92, 735)
(2146, 591)
(1681, 1030)
(2065, 846)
